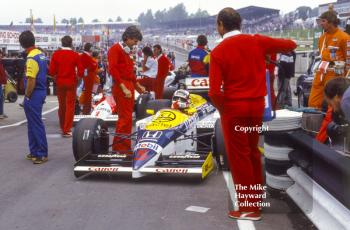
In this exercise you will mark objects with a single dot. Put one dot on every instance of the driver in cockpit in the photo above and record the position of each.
(182, 101)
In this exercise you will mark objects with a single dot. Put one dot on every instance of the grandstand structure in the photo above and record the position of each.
(341, 6)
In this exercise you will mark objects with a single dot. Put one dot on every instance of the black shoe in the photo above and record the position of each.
(40, 160)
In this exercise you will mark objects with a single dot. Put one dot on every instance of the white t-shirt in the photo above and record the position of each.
(152, 65)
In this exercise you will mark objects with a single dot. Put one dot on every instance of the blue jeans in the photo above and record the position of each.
(1, 100)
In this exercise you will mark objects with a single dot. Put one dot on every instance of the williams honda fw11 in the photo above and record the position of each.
(171, 141)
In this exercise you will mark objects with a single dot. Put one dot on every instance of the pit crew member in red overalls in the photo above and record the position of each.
(237, 89)
(90, 66)
(121, 68)
(164, 66)
(65, 67)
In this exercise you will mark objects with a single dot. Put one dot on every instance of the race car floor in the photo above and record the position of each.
(48, 196)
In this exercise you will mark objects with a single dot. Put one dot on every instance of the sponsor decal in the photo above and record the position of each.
(103, 169)
(172, 170)
(166, 116)
(203, 82)
(112, 156)
(184, 156)
(141, 155)
(148, 145)
(152, 134)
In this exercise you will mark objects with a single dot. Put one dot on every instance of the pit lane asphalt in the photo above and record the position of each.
(48, 196)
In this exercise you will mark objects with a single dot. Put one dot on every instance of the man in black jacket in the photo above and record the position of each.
(285, 73)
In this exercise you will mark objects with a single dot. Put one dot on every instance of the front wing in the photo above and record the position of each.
(121, 164)
(110, 118)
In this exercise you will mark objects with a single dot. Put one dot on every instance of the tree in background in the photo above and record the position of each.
(119, 19)
(80, 20)
(175, 13)
(200, 14)
(303, 12)
(38, 20)
(110, 20)
(65, 21)
(159, 16)
(95, 20)
(73, 21)
(129, 20)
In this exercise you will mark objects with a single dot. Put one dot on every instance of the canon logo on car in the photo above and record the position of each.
(200, 82)
(171, 170)
(184, 156)
(103, 169)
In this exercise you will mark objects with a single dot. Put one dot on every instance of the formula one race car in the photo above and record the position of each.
(104, 106)
(169, 142)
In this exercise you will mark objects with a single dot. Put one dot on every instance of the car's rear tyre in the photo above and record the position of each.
(12, 96)
(90, 136)
(159, 104)
(141, 105)
(219, 149)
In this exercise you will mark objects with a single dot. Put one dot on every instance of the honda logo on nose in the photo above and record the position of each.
(152, 134)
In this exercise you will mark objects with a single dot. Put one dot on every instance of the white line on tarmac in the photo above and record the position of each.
(24, 121)
(242, 224)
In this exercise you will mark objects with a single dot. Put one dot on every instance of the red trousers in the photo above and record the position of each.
(242, 150)
(123, 127)
(88, 84)
(159, 87)
(148, 83)
(66, 104)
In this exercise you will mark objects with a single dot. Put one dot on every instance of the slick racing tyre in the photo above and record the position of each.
(141, 105)
(159, 104)
(12, 96)
(219, 149)
(90, 136)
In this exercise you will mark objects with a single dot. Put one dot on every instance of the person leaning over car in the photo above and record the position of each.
(65, 67)
(336, 93)
(90, 67)
(121, 68)
(332, 46)
(35, 94)
(237, 89)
